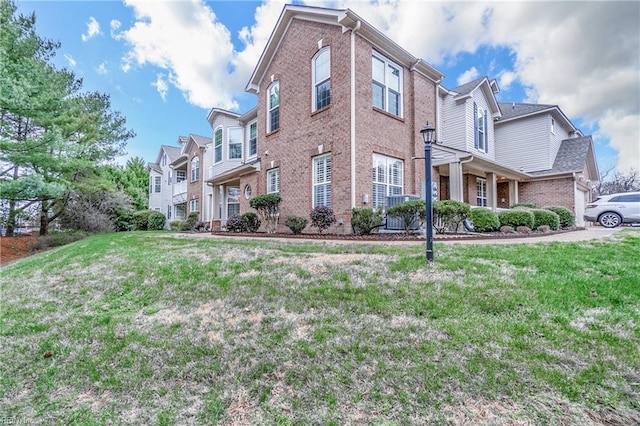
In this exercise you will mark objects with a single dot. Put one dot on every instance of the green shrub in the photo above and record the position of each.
(545, 217)
(122, 220)
(141, 219)
(176, 225)
(525, 205)
(567, 218)
(449, 214)
(191, 222)
(234, 224)
(322, 217)
(250, 221)
(267, 206)
(365, 220)
(156, 221)
(409, 212)
(296, 224)
(484, 220)
(516, 217)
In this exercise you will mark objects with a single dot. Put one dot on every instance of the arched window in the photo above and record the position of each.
(273, 107)
(195, 168)
(321, 74)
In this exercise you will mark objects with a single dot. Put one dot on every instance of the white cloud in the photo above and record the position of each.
(467, 76)
(72, 62)
(102, 68)
(161, 86)
(93, 29)
(166, 34)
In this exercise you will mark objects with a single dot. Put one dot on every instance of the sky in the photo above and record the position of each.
(165, 64)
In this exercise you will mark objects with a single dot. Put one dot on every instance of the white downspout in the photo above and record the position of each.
(353, 113)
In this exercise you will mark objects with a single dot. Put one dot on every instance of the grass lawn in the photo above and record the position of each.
(163, 329)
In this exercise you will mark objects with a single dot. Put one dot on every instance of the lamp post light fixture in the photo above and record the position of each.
(427, 134)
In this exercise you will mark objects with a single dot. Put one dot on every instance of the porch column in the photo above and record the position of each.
(513, 192)
(492, 191)
(455, 182)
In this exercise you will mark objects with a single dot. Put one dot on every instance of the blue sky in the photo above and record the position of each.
(166, 64)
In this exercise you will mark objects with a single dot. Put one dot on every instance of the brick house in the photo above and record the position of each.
(338, 117)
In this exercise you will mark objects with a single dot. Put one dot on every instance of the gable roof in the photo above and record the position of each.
(489, 89)
(219, 111)
(572, 157)
(155, 167)
(515, 110)
(348, 20)
(173, 152)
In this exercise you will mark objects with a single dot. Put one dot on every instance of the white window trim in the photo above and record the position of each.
(269, 109)
(252, 123)
(377, 158)
(195, 159)
(229, 131)
(387, 64)
(216, 161)
(481, 192)
(316, 183)
(191, 204)
(270, 189)
(314, 83)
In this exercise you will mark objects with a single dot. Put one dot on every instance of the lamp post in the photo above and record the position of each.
(427, 134)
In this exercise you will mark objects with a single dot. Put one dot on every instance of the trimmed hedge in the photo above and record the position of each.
(484, 220)
(322, 217)
(543, 217)
(156, 221)
(364, 220)
(567, 218)
(449, 214)
(296, 224)
(516, 217)
(141, 219)
(250, 221)
(234, 224)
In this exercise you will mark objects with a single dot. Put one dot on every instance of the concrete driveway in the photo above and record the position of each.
(590, 233)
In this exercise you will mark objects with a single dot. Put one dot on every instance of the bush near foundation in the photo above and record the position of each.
(566, 216)
(542, 217)
(484, 220)
(516, 217)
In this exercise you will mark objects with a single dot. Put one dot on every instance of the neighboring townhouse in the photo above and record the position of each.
(495, 154)
(339, 113)
(233, 159)
(189, 189)
(161, 181)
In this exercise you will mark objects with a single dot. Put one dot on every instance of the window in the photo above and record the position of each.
(164, 159)
(386, 85)
(158, 184)
(195, 169)
(168, 211)
(273, 113)
(233, 201)
(273, 181)
(217, 146)
(481, 192)
(150, 184)
(181, 211)
(553, 126)
(387, 178)
(253, 139)
(322, 181)
(321, 71)
(193, 206)
(181, 175)
(170, 177)
(480, 129)
(235, 142)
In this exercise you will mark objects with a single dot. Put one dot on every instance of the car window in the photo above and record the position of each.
(630, 198)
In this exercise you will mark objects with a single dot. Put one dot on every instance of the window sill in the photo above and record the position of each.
(273, 132)
(388, 114)
(321, 110)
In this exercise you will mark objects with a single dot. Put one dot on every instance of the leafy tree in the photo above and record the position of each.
(267, 206)
(52, 136)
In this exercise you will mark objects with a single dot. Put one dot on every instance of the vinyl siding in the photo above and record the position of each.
(483, 105)
(218, 168)
(453, 132)
(525, 144)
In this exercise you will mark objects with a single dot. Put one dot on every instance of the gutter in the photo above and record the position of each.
(353, 113)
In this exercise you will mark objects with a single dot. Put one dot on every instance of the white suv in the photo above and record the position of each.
(614, 209)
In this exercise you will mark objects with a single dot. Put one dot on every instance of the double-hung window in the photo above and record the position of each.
(388, 178)
(217, 146)
(273, 110)
(386, 85)
(253, 139)
(273, 181)
(233, 201)
(234, 135)
(195, 169)
(193, 205)
(158, 183)
(164, 159)
(481, 139)
(321, 71)
(322, 181)
(481, 192)
(181, 175)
